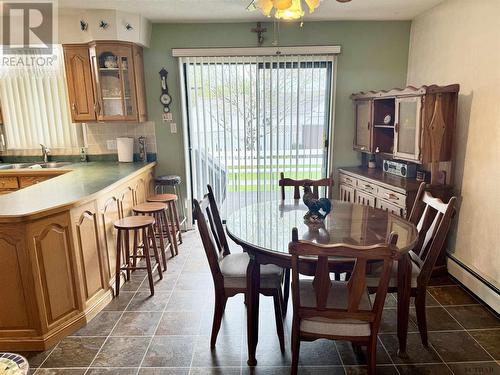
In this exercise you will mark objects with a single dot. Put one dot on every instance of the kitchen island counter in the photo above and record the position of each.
(58, 249)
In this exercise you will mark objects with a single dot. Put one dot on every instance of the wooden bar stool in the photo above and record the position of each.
(157, 211)
(174, 225)
(145, 224)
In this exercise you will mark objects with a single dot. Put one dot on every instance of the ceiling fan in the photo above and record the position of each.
(285, 9)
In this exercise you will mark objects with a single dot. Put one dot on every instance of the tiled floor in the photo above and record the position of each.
(169, 334)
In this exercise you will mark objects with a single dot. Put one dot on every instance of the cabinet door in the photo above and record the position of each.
(362, 138)
(365, 199)
(139, 83)
(110, 212)
(89, 251)
(407, 128)
(386, 206)
(346, 193)
(115, 82)
(79, 82)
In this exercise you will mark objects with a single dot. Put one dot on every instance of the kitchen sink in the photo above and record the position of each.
(16, 166)
(55, 164)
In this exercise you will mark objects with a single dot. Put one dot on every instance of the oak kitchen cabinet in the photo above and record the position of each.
(13, 180)
(58, 263)
(105, 81)
(400, 122)
(79, 82)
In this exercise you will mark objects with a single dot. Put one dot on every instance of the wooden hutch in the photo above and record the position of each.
(414, 125)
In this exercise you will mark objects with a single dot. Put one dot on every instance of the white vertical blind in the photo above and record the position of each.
(250, 118)
(35, 106)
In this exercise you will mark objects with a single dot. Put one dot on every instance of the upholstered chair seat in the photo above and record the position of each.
(338, 298)
(234, 269)
(372, 279)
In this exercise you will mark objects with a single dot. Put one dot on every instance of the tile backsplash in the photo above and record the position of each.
(99, 134)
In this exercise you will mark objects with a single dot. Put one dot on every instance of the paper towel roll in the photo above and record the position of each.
(125, 148)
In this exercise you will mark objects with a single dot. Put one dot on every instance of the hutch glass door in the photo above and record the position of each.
(407, 128)
(363, 124)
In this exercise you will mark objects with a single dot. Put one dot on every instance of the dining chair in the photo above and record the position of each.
(338, 310)
(229, 270)
(432, 218)
(297, 184)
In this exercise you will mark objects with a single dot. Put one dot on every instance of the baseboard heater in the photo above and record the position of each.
(482, 288)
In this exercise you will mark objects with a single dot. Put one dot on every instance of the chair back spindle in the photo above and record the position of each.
(211, 243)
(432, 217)
(297, 184)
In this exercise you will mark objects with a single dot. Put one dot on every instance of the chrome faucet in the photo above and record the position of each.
(45, 153)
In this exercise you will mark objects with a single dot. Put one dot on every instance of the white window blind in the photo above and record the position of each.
(35, 106)
(250, 118)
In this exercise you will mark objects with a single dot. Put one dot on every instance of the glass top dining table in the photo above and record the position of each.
(264, 230)
(267, 226)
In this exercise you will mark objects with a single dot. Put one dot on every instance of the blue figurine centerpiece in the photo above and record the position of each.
(318, 208)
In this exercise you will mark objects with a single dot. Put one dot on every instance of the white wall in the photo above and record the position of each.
(458, 41)
(69, 30)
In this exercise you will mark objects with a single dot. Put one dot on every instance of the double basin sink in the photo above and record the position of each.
(55, 164)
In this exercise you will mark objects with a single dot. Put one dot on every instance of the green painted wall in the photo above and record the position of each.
(374, 56)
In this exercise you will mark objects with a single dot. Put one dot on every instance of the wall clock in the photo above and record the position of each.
(165, 98)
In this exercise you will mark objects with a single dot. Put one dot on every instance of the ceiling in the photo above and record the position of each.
(235, 10)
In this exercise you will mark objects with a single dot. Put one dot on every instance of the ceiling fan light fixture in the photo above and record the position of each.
(312, 4)
(265, 6)
(282, 4)
(294, 12)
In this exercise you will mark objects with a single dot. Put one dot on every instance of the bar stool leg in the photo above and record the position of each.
(172, 227)
(178, 192)
(159, 231)
(166, 229)
(155, 251)
(136, 246)
(148, 261)
(127, 253)
(118, 263)
(176, 218)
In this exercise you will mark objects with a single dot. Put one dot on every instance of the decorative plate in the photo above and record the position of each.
(13, 364)
(387, 119)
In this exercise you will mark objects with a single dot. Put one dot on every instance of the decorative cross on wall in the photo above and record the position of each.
(260, 33)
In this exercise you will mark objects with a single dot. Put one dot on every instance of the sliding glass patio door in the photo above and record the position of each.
(250, 118)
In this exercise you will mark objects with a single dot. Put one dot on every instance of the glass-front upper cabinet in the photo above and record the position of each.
(362, 137)
(115, 88)
(407, 128)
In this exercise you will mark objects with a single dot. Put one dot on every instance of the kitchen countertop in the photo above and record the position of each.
(80, 183)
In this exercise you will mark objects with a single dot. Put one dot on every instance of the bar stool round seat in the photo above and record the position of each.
(149, 207)
(134, 222)
(169, 180)
(164, 198)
